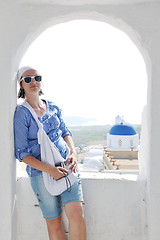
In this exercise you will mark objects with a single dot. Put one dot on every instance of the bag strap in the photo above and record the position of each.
(40, 125)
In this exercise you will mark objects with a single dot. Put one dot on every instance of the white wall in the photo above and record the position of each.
(122, 142)
(20, 23)
(115, 208)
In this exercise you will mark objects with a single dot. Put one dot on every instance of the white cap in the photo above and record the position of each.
(21, 71)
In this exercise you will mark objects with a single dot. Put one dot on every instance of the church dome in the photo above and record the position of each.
(121, 129)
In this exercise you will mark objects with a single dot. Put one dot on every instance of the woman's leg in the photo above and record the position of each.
(55, 229)
(50, 207)
(77, 226)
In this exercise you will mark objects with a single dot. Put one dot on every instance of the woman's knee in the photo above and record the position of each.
(74, 211)
(54, 224)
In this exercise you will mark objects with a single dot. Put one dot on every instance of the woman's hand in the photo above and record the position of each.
(58, 172)
(72, 161)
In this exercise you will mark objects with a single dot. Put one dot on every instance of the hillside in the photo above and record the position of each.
(92, 135)
(85, 137)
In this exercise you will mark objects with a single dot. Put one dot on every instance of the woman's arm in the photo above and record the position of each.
(55, 172)
(72, 159)
(66, 134)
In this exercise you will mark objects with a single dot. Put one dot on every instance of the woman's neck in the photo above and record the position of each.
(33, 100)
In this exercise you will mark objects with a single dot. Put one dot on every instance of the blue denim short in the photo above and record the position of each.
(51, 206)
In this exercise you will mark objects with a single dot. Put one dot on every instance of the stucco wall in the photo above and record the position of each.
(115, 208)
(20, 23)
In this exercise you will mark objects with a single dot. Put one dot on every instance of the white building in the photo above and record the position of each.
(122, 136)
(94, 160)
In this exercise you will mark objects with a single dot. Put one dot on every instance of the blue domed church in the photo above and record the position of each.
(122, 135)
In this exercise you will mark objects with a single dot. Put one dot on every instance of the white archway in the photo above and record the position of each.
(118, 23)
(126, 27)
(28, 21)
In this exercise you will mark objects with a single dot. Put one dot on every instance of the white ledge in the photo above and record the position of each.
(111, 175)
(84, 2)
(107, 175)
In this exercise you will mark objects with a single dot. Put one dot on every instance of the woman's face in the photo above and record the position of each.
(33, 86)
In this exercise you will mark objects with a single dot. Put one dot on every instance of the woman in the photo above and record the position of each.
(27, 150)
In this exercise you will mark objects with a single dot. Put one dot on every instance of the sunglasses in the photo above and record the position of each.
(28, 79)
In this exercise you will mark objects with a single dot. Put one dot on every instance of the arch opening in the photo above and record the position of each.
(108, 82)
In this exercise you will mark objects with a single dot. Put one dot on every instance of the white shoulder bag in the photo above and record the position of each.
(51, 156)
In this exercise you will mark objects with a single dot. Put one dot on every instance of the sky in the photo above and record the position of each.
(91, 70)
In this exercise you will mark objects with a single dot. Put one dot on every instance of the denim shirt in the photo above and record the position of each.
(26, 128)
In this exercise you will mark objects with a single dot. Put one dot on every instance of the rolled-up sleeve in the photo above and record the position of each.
(63, 127)
(21, 134)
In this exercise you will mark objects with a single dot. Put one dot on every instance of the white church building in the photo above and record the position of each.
(122, 136)
(118, 205)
